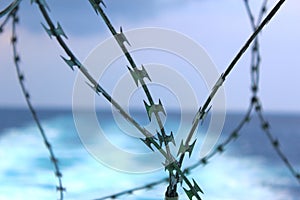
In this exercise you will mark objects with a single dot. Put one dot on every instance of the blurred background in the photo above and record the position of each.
(220, 27)
(248, 170)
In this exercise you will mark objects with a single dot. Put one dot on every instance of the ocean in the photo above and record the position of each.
(248, 169)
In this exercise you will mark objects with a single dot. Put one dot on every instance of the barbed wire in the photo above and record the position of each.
(247, 117)
(202, 110)
(72, 62)
(255, 67)
(138, 76)
(235, 134)
(60, 188)
(265, 126)
(57, 31)
(9, 8)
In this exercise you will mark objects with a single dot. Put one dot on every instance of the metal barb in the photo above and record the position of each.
(193, 190)
(69, 62)
(186, 148)
(148, 142)
(170, 138)
(155, 108)
(139, 74)
(55, 32)
(235, 133)
(121, 38)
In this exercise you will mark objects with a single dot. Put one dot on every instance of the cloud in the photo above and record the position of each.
(220, 26)
(78, 17)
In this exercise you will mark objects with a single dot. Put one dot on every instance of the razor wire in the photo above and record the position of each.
(247, 117)
(58, 32)
(193, 190)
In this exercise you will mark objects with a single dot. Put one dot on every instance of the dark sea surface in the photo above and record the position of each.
(248, 169)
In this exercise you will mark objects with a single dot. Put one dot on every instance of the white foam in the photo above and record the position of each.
(226, 177)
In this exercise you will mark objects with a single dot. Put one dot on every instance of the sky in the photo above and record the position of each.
(220, 27)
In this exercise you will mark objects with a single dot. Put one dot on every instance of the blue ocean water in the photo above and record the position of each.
(248, 169)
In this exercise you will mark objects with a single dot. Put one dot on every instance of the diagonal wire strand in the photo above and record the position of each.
(255, 63)
(57, 32)
(202, 110)
(146, 90)
(234, 135)
(9, 8)
(97, 87)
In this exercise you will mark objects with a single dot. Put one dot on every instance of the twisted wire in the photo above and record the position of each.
(60, 188)
(255, 100)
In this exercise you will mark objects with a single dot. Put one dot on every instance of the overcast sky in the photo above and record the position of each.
(220, 27)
